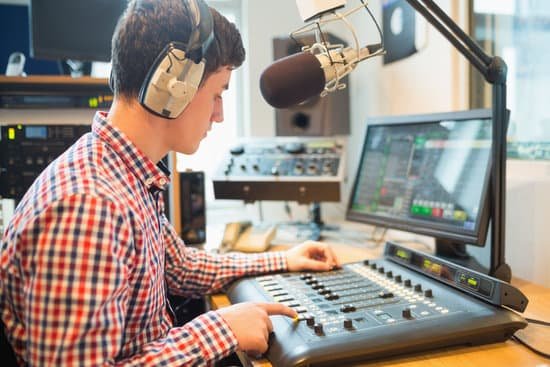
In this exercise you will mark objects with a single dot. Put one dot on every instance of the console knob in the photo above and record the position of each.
(407, 282)
(318, 329)
(407, 313)
(347, 308)
(348, 324)
(237, 150)
(294, 148)
(428, 293)
(418, 287)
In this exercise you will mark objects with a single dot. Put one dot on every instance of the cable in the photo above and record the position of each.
(260, 211)
(381, 237)
(530, 347)
(288, 210)
(376, 23)
(539, 322)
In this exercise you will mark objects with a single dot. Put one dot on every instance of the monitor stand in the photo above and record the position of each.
(76, 68)
(477, 258)
(315, 225)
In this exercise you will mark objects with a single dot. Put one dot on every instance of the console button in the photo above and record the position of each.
(318, 329)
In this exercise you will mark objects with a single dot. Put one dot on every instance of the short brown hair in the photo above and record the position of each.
(147, 26)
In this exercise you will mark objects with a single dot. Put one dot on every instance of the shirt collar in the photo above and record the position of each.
(154, 177)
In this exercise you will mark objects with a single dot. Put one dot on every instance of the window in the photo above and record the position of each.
(518, 31)
(224, 135)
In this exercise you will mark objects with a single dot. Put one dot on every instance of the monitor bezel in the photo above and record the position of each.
(39, 51)
(476, 236)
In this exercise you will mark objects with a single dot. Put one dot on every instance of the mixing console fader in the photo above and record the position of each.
(405, 302)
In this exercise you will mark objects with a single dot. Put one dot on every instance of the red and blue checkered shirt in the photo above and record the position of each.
(87, 259)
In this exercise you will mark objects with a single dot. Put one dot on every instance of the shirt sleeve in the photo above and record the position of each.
(193, 272)
(76, 259)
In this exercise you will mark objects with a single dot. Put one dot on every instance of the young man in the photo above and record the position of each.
(89, 257)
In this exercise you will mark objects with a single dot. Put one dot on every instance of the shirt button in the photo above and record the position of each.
(162, 182)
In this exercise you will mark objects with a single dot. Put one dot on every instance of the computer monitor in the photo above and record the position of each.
(426, 174)
(75, 30)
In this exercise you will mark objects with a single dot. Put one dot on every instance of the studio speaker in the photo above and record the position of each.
(317, 116)
(185, 204)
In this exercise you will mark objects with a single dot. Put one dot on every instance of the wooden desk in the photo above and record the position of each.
(509, 353)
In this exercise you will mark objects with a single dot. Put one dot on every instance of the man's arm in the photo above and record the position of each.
(76, 259)
(194, 272)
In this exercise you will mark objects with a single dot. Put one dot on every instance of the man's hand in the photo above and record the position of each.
(251, 325)
(311, 255)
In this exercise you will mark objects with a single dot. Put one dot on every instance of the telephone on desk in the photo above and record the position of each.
(246, 237)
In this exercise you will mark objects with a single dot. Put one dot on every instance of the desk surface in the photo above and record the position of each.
(509, 353)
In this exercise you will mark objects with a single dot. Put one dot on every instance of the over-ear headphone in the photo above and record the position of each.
(175, 76)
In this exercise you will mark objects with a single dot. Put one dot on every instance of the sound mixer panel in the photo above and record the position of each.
(305, 170)
(361, 312)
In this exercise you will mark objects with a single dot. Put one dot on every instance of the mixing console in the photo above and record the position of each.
(405, 302)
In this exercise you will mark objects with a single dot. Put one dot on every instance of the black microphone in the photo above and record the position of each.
(296, 78)
(292, 80)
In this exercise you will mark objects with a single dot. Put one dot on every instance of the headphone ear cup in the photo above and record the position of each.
(171, 83)
(175, 76)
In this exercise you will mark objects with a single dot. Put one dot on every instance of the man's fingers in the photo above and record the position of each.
(269, 325)
(331, 257)
(278, 309)
(323, 252)
(317, 265)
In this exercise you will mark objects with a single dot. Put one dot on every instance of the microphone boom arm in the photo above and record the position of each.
(494, 70)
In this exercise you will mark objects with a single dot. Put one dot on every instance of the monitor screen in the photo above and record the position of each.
(77, 30)
(427, 174)
(14, 21)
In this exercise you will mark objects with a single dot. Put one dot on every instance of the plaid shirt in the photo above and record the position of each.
(87, 257)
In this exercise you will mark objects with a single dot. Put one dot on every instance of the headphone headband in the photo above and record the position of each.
(176, 73)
